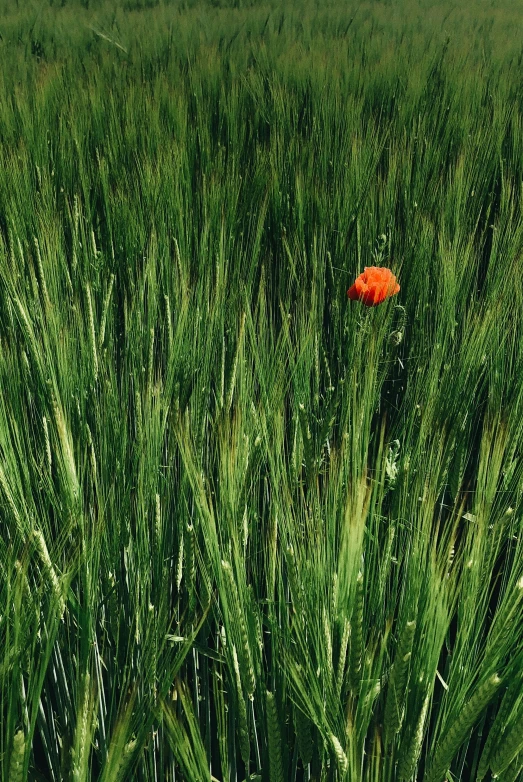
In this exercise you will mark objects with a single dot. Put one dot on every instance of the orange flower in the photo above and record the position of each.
(373, 286)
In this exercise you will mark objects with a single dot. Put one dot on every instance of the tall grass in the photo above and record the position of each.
(251, 529)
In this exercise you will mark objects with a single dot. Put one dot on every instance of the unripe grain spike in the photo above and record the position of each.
(232, 381)
(341, 757)
(105, 310)
(509, 747)
(47, 445)
(169, 325)
(343, 656)
(92, 333)
(150, 362)
(411, 749)
(92, 454)
(43, 286)
(356, 646)
(120, 773)
(67, 452)
(274, 740)
(179, 566)
(396, 693)
(302, 727)
(191, 567)
(16, 764)
(82, 739)
(243, 726)
(49, 569)
(138, 416)
(158, 521)
(512, 773)
(458, 730)
(328, 643)
(495, 732)
(239, 620)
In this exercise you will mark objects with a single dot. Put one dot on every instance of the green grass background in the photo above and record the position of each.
(250, 529)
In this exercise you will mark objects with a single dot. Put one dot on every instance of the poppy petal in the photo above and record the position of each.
(373, 286)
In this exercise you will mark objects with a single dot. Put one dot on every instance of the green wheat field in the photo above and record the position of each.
(249, 529)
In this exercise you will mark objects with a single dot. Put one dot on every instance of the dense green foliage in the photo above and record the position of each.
(249, 527)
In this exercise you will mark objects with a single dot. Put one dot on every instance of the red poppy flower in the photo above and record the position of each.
(373, 286)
